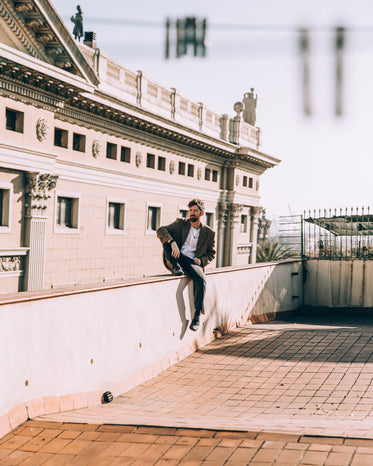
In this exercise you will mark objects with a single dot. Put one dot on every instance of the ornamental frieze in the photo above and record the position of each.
(10, 264)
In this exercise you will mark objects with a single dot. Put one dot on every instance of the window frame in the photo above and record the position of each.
(111, 145)
(125, 153)
(158, 220)
(161, 163)
(64, 132)
(19, 124)
(150, 161)
(190, 171)
(122, 216)
(82, 142)
(6, 207)
(244, 225)
(75, 214)
(209, 212)
(181, 168)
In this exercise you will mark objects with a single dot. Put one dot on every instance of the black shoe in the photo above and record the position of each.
(177, 271)
(195, 323)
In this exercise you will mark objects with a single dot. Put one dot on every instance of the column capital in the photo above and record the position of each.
(37, 192)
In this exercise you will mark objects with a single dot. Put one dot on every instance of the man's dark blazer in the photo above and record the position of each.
(179, 230)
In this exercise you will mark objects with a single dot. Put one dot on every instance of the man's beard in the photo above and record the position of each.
(193, 218)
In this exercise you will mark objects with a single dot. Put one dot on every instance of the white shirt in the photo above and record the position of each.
(190, 245)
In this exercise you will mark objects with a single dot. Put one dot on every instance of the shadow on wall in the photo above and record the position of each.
(262, 296)
(255, 295)
(328, 336)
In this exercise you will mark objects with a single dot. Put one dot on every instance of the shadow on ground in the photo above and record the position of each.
(325, 335)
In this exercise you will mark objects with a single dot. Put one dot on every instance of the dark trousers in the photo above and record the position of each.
(194, 271)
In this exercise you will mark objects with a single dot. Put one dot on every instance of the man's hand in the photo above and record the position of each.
(197, 261)
(175, 250)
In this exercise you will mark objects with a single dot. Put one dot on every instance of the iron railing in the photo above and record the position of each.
(337, 234)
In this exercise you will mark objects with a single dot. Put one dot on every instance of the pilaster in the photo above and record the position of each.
(255, 212)
(37, 194)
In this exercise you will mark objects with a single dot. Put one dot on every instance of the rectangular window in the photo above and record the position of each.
(67, 212)
(150, 160)
(181, 168)
(111, 151)
(125, 154)
(162, 164)
(215, 176)
(183, 213)
(14, 120)
(250, 182)
(190, 169)
(60, 137)
(244, 181)
(4, 208)
(209, 219)
(79, 142)
(115, 216)
(207, 174)
(154, 218)
(243, 228)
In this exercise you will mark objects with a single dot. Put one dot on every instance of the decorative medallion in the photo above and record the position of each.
(237, 180)
(138, 159)
(172, 167)
(42, 129)
(199, 173)
(96, 148)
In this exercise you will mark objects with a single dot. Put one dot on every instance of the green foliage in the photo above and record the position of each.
(269, 251)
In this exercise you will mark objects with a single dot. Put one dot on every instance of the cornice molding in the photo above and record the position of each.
(19, 28)
(72, 106)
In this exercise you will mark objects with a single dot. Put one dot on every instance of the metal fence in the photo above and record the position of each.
(337, 234)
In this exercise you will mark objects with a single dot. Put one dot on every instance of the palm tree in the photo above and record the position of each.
(268, 251)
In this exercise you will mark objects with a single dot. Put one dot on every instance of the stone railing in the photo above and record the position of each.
(136, 88)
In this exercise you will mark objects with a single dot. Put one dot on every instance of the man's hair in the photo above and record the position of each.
(200, 204)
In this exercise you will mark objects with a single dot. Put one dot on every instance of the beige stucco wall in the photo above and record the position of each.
(88, 342)
(339, 283)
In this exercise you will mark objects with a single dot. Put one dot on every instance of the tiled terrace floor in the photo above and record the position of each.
(290, 392)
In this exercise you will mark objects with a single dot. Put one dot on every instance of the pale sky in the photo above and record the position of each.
(326, 161)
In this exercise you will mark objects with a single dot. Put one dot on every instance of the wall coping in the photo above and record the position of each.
(27, 296)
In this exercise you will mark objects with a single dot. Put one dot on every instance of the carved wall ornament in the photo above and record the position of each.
(10, 263)
(37, 192)
(237, 180)
(138, 159)
(42, 129)
(96, 148)
(199, 173)
(172, 167)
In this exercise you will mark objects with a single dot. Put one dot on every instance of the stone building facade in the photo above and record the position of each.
(94, 157)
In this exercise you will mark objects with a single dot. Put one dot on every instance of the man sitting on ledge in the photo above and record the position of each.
(188, 246)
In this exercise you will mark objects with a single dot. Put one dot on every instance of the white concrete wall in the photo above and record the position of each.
(62, 350)
(339, 283)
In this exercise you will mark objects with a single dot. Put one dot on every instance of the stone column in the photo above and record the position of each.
(221, 243)
(255, 212)
(37, 195)
(235, 210)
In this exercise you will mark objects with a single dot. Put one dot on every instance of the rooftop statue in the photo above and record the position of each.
(77, 19)
(249, 112)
